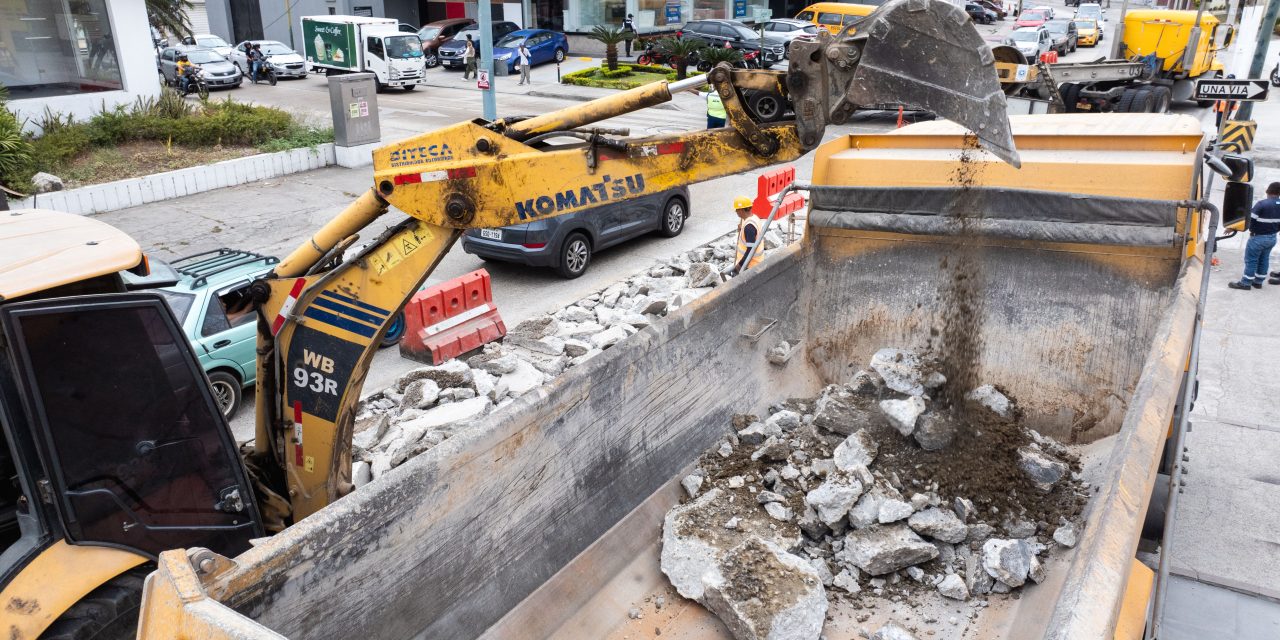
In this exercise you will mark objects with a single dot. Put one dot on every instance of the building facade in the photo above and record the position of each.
(75, 57)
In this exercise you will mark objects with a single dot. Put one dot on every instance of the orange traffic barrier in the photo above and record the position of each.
(449, 319)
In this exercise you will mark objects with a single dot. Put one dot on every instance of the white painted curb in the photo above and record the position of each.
(132, 192)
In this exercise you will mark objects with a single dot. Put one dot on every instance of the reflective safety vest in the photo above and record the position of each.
(715, 107)
(743, 247)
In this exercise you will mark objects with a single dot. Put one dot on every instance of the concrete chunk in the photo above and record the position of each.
(1044, 470)
(1066, 535)
(609, 337)
(858, 449)
(893, 510)
(892, 631)
(703, 274)
(934, 432)
(790, 604)
(884, 549)
(902, 414)
(453, 373)
(1008, 561)
(519, 381)
(953, 587)
(987, 396)
(939, 524)
(758, 432)
(833, 499)
(900, 370)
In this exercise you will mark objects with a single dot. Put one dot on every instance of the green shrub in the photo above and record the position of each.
(297, 138)
(621, 72)
(15, 149)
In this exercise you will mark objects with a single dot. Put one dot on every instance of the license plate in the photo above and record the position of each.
(491, 234)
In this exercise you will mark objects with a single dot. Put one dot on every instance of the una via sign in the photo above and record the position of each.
(1252, 90)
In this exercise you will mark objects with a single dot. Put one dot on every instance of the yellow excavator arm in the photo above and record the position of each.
(321, 316)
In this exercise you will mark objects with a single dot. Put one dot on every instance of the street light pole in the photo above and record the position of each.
(1260, 52)
(486, 59)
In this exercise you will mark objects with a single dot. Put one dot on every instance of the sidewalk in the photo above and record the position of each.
(1225, 549)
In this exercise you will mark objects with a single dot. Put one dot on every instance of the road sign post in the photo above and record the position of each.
(1246, 90)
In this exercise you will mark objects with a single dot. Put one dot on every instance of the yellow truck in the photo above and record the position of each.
(1163, 54)
(542, 521)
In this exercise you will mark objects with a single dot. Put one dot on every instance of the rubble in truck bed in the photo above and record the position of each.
(429, 404)
(871, 492)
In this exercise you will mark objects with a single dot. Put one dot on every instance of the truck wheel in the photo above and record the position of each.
(1125, 103)
(410, 87)
(226, 391)
(1070, 96)
(575, 256)
(673, 217)
(1144, 101)
(109, 612)
(1163, 98)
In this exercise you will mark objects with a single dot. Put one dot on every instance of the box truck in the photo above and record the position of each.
(355, 44)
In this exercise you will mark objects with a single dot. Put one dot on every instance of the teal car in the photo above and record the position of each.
(211, 287)
(209, 284)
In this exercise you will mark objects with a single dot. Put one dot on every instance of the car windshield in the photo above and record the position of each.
(1091, 12)
(427, 33)
(180, 303)
(510, 41)
(1085, 24)
(1056, 27)
(1032, 15)
(211, 41)
(274, 49)
(1026, 36)
(204, 57)
(405, 46)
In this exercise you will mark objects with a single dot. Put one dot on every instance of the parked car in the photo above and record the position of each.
(209, 41)
(979, 14)
(1030, 18)
(285, 62)
(1031, 42)
(205, 301)
(789, 30)
(450, 53)
(544, 46)
(568, 242)
(1065, 36)
(1088, 31)
(208, 299)
(436, 33)
(218, 71)
(1045, 9)
(994, 7)
(716, 33)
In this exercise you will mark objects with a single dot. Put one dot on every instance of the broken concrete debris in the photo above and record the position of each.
(533, 352)
(872, 511)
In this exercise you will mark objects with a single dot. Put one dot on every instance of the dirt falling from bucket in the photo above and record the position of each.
(957, 337)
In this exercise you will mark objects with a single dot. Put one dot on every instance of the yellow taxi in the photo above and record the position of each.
(1087, 31)
(832, 16)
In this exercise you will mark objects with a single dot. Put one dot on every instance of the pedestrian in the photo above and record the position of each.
(715, 110)
(1263, 223)
(629, 26)
(1224, 109)
(469, 59)
(522, 53)
(748, 236)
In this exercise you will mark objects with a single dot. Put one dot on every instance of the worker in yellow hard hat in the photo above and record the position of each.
(749, 235)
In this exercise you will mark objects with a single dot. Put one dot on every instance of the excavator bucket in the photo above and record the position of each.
(924, 54)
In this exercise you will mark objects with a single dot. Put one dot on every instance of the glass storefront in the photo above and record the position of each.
(56, 47)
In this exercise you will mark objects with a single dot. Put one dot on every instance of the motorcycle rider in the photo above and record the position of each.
(256, 60)
(183, 71)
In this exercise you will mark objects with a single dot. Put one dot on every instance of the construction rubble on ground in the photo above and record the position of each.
(873, 492)
(429, 404)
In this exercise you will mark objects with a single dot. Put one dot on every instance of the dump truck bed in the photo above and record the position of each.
(543, 520)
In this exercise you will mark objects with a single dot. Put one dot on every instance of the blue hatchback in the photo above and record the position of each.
(544, 46)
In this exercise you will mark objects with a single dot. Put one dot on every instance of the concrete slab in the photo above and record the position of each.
(1198, 611)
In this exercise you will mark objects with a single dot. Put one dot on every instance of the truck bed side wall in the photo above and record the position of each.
(446, 544)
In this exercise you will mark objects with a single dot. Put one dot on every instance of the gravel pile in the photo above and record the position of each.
(429, 404)
(871, 491)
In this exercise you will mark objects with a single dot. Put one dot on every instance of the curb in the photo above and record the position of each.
(122, 194)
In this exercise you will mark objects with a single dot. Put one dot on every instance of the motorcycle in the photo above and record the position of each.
(1275, 76)
(195, 84)
(749, 60)
(265, 72)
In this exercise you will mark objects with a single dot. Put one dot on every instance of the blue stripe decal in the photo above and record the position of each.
(352, 301)
(343, 309)
(341, 323)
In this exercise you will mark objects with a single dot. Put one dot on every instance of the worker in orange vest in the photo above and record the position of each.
(1224, 109)
(749, 235)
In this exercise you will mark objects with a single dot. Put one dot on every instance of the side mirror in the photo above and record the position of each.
(1237, 201)
(1223, 35)
(1240, 167)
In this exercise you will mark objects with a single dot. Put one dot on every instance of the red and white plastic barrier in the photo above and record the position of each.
(768, 186)
(449, 319)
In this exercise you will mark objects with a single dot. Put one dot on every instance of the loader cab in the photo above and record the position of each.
(111, 437)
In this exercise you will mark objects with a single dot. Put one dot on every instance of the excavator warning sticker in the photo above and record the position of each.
(319, 369)
(397, 249)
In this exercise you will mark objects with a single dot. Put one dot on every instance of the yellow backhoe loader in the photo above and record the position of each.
(115, 450)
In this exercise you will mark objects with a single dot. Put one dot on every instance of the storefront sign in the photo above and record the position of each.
(673, 13)
(739, 8)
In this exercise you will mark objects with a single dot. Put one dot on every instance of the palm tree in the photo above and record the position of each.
(170, 16)
(14, 147)
(680, 51)
(610, 36)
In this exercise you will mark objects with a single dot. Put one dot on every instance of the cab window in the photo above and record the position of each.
(832, 19)
(805, 15)
(375, 47)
